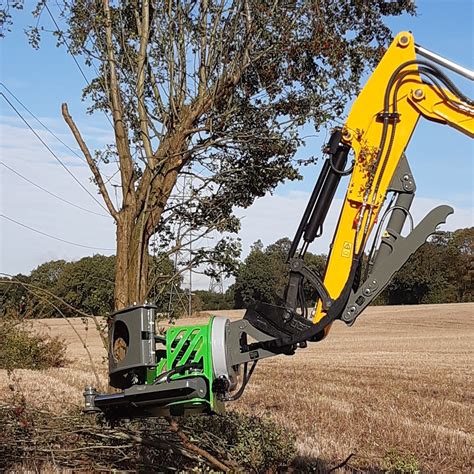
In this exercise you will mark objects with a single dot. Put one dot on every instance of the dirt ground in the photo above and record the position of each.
(398, 385)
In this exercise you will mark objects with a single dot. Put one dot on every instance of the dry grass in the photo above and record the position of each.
(400, 381)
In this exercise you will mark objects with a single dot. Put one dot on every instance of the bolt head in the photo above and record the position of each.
(346, 134)
(418, 94)
(404, 40)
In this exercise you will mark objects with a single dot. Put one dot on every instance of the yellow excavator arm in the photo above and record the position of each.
(378, 129)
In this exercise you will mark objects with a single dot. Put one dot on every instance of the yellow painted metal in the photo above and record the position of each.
(363, 130)
(433, 106)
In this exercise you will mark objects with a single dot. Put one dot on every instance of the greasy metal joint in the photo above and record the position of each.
(347, 135)
(404, 41)
(418, 94)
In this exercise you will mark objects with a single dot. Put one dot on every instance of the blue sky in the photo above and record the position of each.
(441, 158)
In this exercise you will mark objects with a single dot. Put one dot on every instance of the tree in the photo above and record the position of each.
(258, 278)
(211, 89)
(264, 274)
(419, 280)
(439, 272)
(13, 297)
(463, 241)
(88, 284)
(211, 300)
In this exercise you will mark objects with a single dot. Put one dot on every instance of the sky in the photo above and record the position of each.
(441, 158)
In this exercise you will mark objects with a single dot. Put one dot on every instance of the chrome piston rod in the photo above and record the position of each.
(436, 58)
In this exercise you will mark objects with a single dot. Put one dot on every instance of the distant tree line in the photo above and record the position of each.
(441, 271)
(87, 285)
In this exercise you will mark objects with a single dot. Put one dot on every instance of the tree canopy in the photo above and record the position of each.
(264, 274)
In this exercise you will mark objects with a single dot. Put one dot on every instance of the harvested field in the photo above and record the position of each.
(396, 387)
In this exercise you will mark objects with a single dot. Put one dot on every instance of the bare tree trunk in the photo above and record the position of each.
(131, 269)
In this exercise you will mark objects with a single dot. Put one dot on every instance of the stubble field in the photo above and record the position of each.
(397, 387)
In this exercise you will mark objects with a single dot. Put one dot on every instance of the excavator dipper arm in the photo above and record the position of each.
(378, 129)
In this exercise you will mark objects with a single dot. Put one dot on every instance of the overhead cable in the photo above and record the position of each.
(67, 45)
(52, 236)
(42, 124)
(52, 152)
(51, 193)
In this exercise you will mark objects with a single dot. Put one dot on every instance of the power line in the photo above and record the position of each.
(51, 151)
(41, 123)
(52, 236)
(73, 56)
(66, 43)
(51, 193)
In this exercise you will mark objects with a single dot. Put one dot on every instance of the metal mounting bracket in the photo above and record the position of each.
(402, 249)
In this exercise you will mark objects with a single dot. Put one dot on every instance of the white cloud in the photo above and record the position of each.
(22, 250)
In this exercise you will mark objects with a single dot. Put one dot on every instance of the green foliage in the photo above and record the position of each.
(6, 14)
(13, 297)
(211, 300)
(258, 278)
(439, 272)
(264, 274)
(88, 284)
(255, 444)
(398, 463)
(22, 349)
(48, 274)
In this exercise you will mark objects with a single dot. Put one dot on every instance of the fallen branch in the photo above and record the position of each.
(342, 464)
(192, 447)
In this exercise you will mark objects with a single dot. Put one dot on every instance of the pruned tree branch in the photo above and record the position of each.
(196, 449)
(92, 165)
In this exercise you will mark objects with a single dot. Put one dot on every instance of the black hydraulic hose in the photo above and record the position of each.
(245, 381)
(437, 72)
(432, 76)
(447, 82)
(176, 370)
(430, 71)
